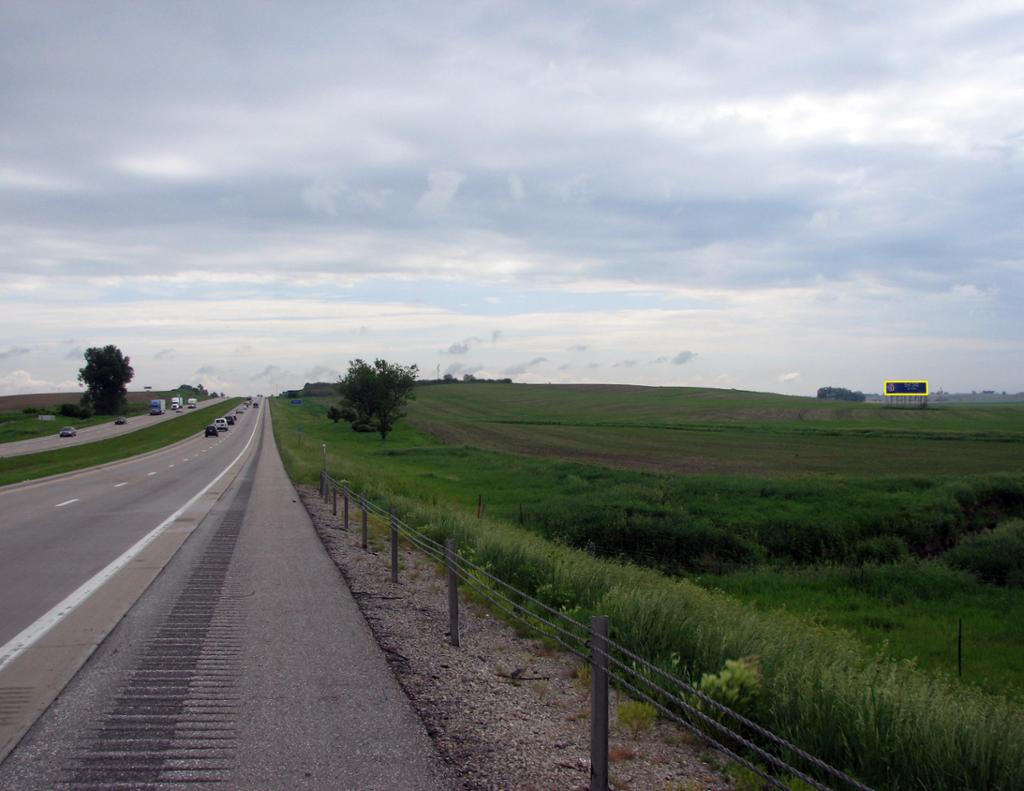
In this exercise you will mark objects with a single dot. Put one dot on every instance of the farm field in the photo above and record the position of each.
(744, 526)
(696, 431)
(786, 552)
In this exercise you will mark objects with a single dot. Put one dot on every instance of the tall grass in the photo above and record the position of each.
(885, 721)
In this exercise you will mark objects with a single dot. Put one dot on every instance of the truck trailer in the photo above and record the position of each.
(157, 406)
(175, 403)
(192, 403)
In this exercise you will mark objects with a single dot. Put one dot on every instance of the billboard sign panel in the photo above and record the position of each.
(905, 387)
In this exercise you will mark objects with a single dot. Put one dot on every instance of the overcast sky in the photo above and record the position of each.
(773, 197)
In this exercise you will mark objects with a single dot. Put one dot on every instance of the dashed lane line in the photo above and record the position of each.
(119, 485)
(66, 502)
(14, 647)
(148, 474)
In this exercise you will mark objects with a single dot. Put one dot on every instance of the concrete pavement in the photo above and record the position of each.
(246, 665)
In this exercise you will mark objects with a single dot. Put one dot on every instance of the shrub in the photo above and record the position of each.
(737, 685)
(884, 549)
(75, 411)
(995, 556)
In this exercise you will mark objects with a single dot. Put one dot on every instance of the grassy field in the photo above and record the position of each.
(75, 457)
(695, 431)
(910, 611)
(702, 524)
(834, 685)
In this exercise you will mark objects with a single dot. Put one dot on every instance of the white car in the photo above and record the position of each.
(221, 424)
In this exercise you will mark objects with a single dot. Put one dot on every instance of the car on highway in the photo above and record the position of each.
(121, 420)
(211, 431)
(230, 419)
(239, 411)
(67, 431)
(220, 424)
(255, 404)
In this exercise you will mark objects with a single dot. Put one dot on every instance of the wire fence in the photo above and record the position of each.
(769, 756)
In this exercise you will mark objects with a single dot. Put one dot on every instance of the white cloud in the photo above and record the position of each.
(442, 186)
(789, 377)
(161, 166)
(21, 381)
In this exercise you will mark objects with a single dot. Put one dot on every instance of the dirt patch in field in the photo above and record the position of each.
(13, 403)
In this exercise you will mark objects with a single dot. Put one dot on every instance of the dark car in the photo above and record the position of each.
(211, 431)
(230, 419)
(121, 421)
(68, 432)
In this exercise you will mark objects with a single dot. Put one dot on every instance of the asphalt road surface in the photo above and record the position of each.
(246, 663)
(94, 433)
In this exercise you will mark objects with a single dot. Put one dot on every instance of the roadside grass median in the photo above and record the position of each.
(882, 719)
(18, 469)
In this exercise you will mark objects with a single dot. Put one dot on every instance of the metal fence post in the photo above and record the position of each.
(334, 500)
(453, 593)
(362, 502)
(344, 503)
(599, 703)
(394, 548)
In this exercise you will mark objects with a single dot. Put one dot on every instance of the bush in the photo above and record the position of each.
(995, 556)
(75, 411)
(736, 686)
(884, 549)
(35, 410)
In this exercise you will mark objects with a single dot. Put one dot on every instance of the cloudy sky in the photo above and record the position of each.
(773, 197)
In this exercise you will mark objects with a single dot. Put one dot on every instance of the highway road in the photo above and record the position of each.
(93, 433)
(78, 549)
(246, 662)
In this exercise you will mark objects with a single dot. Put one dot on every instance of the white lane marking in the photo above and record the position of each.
(66, 502)
(14, 647)
(150, 473)
(169, 466)
(119, 485)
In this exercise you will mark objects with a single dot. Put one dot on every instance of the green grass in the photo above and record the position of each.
(909, 611)
(693, 431)
(885, 720)
(75, 457)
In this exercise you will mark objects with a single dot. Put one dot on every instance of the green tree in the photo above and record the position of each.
(105, 374)
(334, 414)
(376, 394)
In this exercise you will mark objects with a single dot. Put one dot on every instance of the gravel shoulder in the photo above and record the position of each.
(505, 711)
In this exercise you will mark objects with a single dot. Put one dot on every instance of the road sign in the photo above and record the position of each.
(905, 387)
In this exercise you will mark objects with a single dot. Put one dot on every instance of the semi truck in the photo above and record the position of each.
(192, 403)
(157, 406)
(175, 403)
